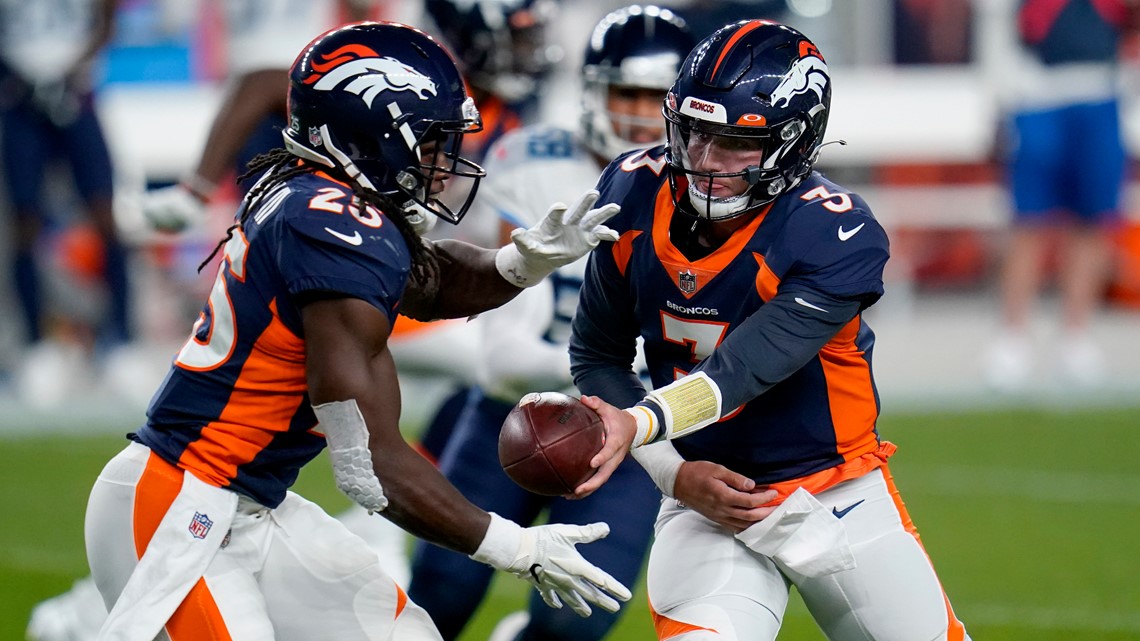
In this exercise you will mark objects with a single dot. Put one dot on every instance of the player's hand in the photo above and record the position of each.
(546, 557)
(563, 236)
(173, 208)
(724, 497)
(620, 430)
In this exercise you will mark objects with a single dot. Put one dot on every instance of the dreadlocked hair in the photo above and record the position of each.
(280, 165)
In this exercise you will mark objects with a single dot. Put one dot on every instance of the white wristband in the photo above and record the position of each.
(515, 268)
(501, 543)
(662, 462)
(647, 427)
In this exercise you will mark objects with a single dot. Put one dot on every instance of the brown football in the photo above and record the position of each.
(547, 441)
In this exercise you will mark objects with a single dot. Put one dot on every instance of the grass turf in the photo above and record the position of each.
(1029, 516)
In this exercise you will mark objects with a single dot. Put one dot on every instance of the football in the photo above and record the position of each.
(547, 441)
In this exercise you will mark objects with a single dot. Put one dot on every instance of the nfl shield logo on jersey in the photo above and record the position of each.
(315, 136)
(687, 281)
(200, 525)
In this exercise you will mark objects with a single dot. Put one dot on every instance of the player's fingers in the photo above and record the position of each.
(598, 479)
(596, 217)
(734, 480)
(576, 211)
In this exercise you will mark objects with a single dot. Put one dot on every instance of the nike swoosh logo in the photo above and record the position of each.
(844, 235)
(803, 302)
(842, 513)
(354, 239)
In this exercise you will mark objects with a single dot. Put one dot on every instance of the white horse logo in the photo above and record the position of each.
(369, 76)
(808, 74)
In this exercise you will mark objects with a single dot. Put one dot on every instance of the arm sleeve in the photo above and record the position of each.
(603, 338)
(780, 338)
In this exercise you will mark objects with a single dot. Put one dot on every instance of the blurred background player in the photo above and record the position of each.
(747, 274)
(48, 114)
(505, 53)
(262, 37)
(1066, 176)
(631, 58)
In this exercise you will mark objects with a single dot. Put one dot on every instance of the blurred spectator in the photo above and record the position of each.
(262, 39)
(932, 31)
(1066, 175)
(47, 112)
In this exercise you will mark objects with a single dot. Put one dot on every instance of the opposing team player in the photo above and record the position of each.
(631, 60)
(191, 528)
(747, 274)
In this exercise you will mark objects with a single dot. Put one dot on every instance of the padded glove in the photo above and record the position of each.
(563, 236)
(545, 556)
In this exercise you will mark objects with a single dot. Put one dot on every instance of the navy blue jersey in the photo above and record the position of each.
(234, 409)
(817, 250)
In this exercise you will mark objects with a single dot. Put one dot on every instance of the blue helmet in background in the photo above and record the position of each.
(635, 47)
(761, 86)
(366, 98)
(502, 45)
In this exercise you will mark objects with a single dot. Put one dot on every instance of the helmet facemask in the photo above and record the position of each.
(722, 171)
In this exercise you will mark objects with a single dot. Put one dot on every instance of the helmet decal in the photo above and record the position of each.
(807, 74)
(368, 74)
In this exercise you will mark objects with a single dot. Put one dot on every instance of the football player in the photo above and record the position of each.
(747, 273)
(631, 59)
(192, 529)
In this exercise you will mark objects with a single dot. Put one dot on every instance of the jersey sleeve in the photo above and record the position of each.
(337, 254)
(603, 337)
(841, 256)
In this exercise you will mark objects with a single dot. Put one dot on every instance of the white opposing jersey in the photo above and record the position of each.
(42, 39)
(525, 341)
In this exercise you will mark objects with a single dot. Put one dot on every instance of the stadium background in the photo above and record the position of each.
(1027, 502)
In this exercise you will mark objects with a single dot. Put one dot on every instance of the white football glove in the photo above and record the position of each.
(545, 556)
(563, 236)
(173, 208)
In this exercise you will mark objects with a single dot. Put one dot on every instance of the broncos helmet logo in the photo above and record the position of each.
(368, 74)
(808, 74)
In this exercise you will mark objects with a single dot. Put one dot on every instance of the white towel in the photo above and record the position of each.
(802, 535)
(178, 554)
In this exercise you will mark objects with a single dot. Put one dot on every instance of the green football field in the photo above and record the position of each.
(1032, 519)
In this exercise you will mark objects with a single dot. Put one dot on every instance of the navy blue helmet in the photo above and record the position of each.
(383, 103)
(502, 45)
(760, 90)
(635, 47)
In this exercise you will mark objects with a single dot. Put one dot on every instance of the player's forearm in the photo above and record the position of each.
(421, 501)
(468, 283)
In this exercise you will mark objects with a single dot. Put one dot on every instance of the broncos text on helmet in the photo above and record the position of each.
(385, 105)
(639, 47)
(760, 90)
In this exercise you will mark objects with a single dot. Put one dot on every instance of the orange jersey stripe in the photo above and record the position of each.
(401, 600)
(705, 268)
(767, 282)
(267, 393)
(820, 481)
(853, 407)
(623, 249)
